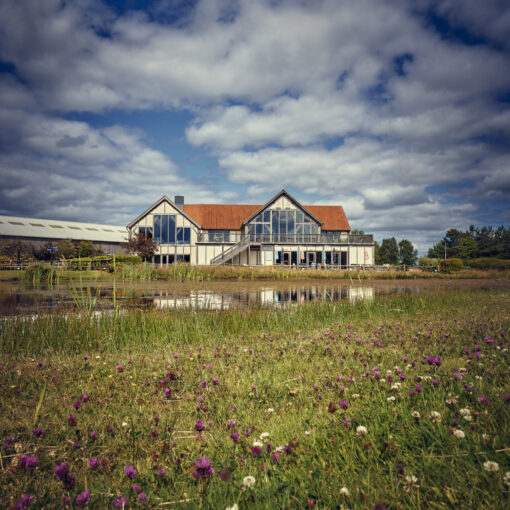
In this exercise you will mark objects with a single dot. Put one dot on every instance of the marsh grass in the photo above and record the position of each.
(281, 371)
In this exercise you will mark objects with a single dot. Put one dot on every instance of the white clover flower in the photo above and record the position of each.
(264, 436)
(506, 478)
(258, 444)
(411, 479)
(269, 410)
(435, 416)
(307, 432)
(485, 437)
(249, 481)
(233, 507)
(279, 449)
(468, 417)
(361, 430)
(391, 399)
(459, 434)
(415, 415)
(464, 411)
(124, 423)
(356, 395)
(491, 466)
(344, 491)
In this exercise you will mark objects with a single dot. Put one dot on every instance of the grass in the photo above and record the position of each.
(186, 272)
(287, 371)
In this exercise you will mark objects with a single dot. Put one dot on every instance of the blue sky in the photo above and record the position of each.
(398, 110)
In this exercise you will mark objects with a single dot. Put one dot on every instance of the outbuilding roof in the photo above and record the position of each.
(15, 226)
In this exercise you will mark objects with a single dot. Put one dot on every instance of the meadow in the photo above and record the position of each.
(398, 402)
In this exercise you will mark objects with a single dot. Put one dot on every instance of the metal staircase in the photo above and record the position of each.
(231, 252)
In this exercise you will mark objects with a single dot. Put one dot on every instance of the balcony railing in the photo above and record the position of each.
(203, 237)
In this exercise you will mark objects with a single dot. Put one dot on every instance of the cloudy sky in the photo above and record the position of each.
(398, 110)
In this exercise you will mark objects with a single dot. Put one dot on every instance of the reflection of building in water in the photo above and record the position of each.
(208, 300)
(358, 293)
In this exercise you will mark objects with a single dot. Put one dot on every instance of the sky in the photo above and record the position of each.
(397, 110)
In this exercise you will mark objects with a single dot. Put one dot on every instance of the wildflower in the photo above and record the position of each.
(435, 416)
(215, 380)
(93, 435)
(264, 436)
(83, 498)
(491, 466)
(464, 412)
(411, 481)
(235, 437)
(485, 437)
(344, 491)
(344, 404)
(28, 461)
(204, 468)
(120, 368)
(71, 420)
(121, 502)
(483, 400)
(459, 434)
(142, 496)
(415, 415)
(130, 472)
(418, 388)
(162, 472)
(85, 397)
(199, 425)
(248, 481)
(38, 432)
(361, 430)
(77, 404)
(269, 410)
(233, 507)
(61, 471)
(506, 478)
(391, 399)
(25, 502)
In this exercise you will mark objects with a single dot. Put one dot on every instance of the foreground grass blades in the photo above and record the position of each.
(401, 402)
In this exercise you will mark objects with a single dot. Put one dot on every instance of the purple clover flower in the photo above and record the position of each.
(199, 426)
(130, 472)
(94, 462)
(162, 472)
(27, 461)
(71, 420)
(121, 502)
(344, 404)
(483, 400)
(215, 380)
(25, 502)
(203, 468)
(83, 498)
(38, 432)
(142, 496)
(61, 471)
(235, 437)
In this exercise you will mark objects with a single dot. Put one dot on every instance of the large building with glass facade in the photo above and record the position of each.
(281, 232)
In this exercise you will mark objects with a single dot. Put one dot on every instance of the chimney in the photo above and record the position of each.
(179, 202)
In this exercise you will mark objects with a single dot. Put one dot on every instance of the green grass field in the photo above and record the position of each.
(401, 402)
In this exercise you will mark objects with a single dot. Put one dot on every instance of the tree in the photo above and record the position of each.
(388, 252)
(141, 245)
(85, 249)
(467, 248)
(407, 253)
(357, 232)
(66, 249)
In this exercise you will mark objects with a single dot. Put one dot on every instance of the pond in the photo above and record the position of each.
(28, 298)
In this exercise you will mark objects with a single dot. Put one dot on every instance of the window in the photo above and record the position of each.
(166, 232)
(219, 236)
(147, 231)
(279, 225)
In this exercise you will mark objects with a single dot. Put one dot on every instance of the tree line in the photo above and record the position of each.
(391, 252)
(476, 242)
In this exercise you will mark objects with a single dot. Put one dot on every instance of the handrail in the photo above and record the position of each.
(295, 239)
(229, 253)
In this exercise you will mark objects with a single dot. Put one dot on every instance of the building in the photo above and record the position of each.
(38, 233)
(280, 232)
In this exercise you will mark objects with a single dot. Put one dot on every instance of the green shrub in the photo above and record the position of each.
(40, 272)
(451, 265)
(428, 262)
(489, 263)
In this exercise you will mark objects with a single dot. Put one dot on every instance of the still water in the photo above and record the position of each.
(26, 298)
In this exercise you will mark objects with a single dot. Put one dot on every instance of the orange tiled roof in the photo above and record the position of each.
(232, 216)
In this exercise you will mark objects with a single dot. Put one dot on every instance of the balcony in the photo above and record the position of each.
(340, 239)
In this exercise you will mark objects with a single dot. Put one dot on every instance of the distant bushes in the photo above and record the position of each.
(488, 263)
(106, 261)
(451, 265)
